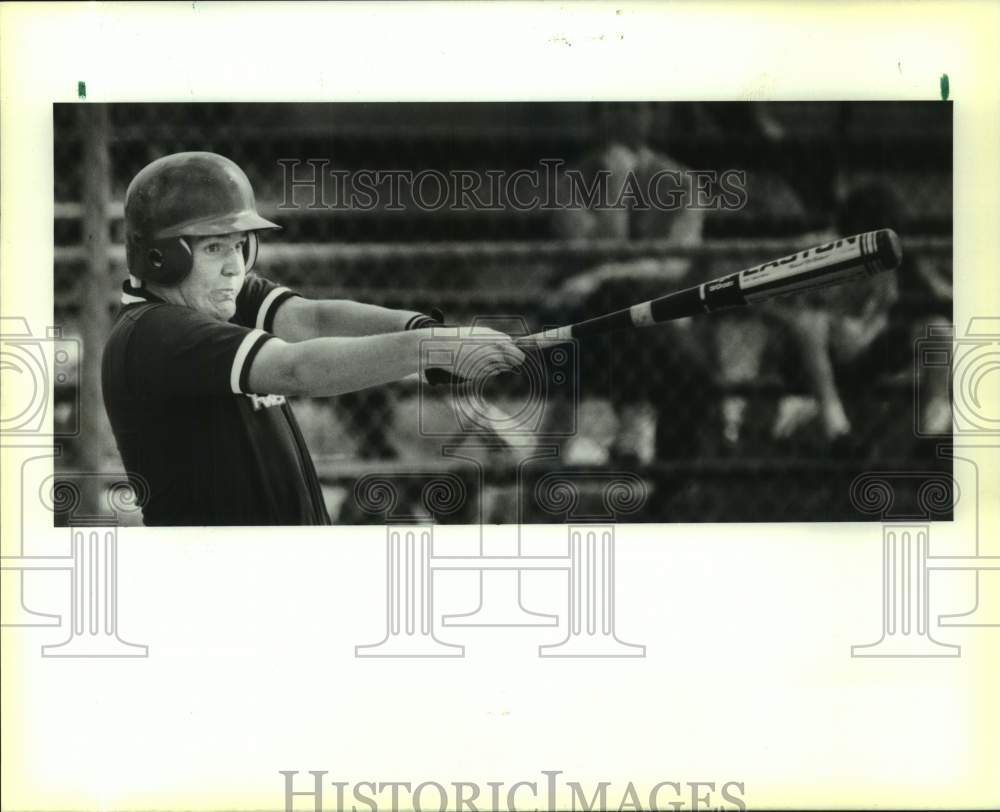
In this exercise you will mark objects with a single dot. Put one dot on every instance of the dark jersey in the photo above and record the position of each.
(208, 451)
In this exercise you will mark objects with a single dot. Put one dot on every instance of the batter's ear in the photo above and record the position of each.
(166, 262)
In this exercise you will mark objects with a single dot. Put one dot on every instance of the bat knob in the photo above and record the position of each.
(888, 248)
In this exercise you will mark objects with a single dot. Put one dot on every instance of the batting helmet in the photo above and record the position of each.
(187, 194)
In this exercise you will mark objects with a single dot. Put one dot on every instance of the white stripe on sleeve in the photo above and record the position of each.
(241, 356)
(265, 306)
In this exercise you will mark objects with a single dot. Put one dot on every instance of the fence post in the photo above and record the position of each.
(95, 318)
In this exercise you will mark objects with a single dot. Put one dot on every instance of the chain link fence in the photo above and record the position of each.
(714, 413)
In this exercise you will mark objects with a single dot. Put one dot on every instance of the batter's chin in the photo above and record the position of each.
(223, 311)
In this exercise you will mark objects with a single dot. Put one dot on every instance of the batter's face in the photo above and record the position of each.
(217, 275)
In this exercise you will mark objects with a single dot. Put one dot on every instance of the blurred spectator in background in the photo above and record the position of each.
(621, 132)
(844, 339)
(657, 380)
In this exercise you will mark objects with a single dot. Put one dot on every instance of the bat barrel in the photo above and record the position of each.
(889, 248)
(832, 263)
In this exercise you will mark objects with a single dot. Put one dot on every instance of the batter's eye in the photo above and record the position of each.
(219, 246)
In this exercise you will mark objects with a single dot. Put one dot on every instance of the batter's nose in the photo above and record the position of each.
(234, 264)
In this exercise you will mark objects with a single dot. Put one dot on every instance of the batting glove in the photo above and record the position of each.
(434, 376)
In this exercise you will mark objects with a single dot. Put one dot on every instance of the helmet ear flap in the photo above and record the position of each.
(250, 248)
(165, 262)
(168, 262)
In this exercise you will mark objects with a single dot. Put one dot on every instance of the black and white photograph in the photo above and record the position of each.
(499, 406)
(289, 306)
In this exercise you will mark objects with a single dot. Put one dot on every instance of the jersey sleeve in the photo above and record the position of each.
(258, 301)
(176, 351)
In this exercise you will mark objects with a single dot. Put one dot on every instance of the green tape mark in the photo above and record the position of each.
(944, 87)
(81, 90)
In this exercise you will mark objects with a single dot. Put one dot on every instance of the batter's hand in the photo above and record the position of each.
(470, 354)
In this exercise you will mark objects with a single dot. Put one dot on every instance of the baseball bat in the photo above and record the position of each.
(832, 263)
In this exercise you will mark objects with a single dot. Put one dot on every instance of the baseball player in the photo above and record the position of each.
(204, 352)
